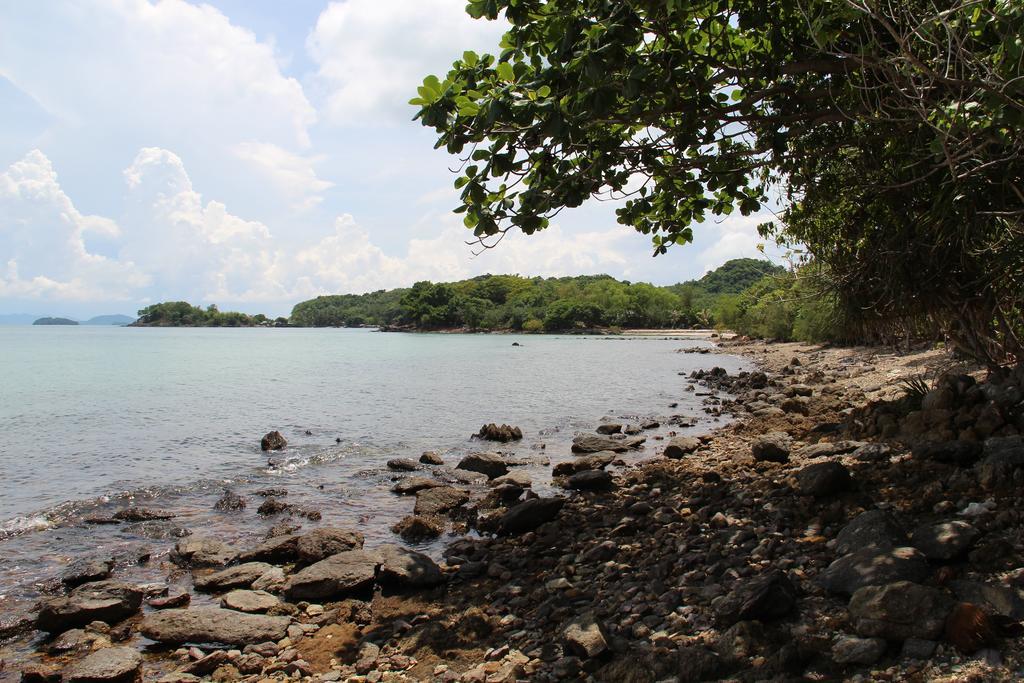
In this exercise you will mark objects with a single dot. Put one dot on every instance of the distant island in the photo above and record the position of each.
(55, 321)
(184, 314)
(110, 320)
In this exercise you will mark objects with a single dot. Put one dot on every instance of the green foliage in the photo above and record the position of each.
(737, 275)
(787, 307)
(183, 314)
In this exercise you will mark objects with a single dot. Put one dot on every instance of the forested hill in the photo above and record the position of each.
(512, 302)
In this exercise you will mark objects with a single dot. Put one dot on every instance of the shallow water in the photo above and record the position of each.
(95, 418)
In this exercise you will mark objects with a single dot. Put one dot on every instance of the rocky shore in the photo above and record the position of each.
(852, 524)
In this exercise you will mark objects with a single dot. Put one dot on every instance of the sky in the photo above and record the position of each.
(256, 153)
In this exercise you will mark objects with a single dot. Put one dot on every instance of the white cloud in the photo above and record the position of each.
(371, 54)
(293, 174)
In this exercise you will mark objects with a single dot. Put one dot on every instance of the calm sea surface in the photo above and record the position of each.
(92, 419)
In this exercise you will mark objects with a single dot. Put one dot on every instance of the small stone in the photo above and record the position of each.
(583, 637)
(490, 464)
(253, 602)
(609, 428)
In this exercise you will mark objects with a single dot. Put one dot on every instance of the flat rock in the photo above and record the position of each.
(435, 501)
(240, 576)
(595, 444)
(197, 551)
(900, 610)
(249, 601)
(326, 541)
(590, 480)
(583, 637)
(107, 665)
(764, 598)
(681, 446)
(106, 601)
(874, 529)
(407, 568)
(411, 485)
(829, 449)
(134, 514)
(944, 541)
(490, 464)
(213, 625)
(772, 447)
(823, 479)
(595, 461)
(339, 575)
(515, 478)
(283, 548)
(529, 515)
(87, 570)
(873, 566)
(402, 465)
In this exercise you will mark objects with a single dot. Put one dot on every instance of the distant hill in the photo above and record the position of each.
(110, 320)
(734, 276)
(55, 321)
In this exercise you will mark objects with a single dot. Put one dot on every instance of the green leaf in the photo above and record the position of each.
(505, 72)
(470, 58)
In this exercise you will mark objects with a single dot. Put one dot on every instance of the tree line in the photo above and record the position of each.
(184, 314)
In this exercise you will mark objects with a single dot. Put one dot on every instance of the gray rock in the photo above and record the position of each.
(106, 601)
(402, 465)
(347, 573)
(411, 485)
(850, 650)
(945, 541)
(529, 515)
(249, 601)
(326, 541)
(595, 444)
(764, 598)
(873, 566)
(823, 479)
(874, 528)
(196, 551)
(772, 447)
(272, 580)
(273, 441)
(900, 610)
(435, 501)
(213, 625)
(490, 464)
(584, 638)
(681, 446)
(916, 648)
(84, 571)
(284, 548)
(406, 568)
(240, 576)
(590, 480)
(108, 665)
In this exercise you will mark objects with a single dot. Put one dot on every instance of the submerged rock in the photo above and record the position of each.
(213, 625)
(229, 502)
(503, 433)
(411, 485)
(434, 501)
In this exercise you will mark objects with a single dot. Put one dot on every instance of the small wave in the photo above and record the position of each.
(26, 524)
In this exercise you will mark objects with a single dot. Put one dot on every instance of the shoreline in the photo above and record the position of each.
(644, 568)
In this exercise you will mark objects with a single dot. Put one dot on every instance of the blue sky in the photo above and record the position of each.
(253, 154)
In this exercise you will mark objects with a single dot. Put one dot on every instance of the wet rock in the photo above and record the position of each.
(197, 551)
(590, 480)
(106, 601)
(134, 514)
(850, 650)
(204, 666)
(434, 501)
(529, 515)
(772, 447)
(342, 575)
(402, 465)
(681, 446)
(945, 541)
(213, 625)
(241, 576)
(587, 462)
(962, 453)
(84, 571)
(418, 528)
(431, 458)
(229, 502)
(873, 566)
(503, 433)
(273, 441)
(764, 598)
(490, 464)
(407, 568)
(595, 444)
(73, 640)
(108, 665)
(249, 601)
(609, 428)
(900, 610)
(970, 628)
(170, 602)
(275, 549)
(157, 530)
(39, 673)
(823, 479)
(411, 485)
(584, 638)
(326, 541)
(11, 626)
(874, 528)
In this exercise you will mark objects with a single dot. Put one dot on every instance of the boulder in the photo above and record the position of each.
(197, 551)
(609, 428)
(874, 528)
(863, 651)
(1003, 457)
(583, 637)
(490, 464)
(944, 541)
(410, 485)
(596, 461)
(229, 502)
(273, 441)
(962, 453)
(823, 479)
(418, 528)
(107, 665)
(240, 576)
(431, 458)
(590, 480)
(338, 576)
(529, 515)
(213, 625)
(284, 548)
(249, 601)
(1000, 600)
(680, 446)
(87, 570)
(595, 444)
(326, 541)
(402, 465)
(764, 598)
(434, 501)
(772, 447)
(503, 433)
(872, 566)
(900, 610)
(106, 601)
(405, 568)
